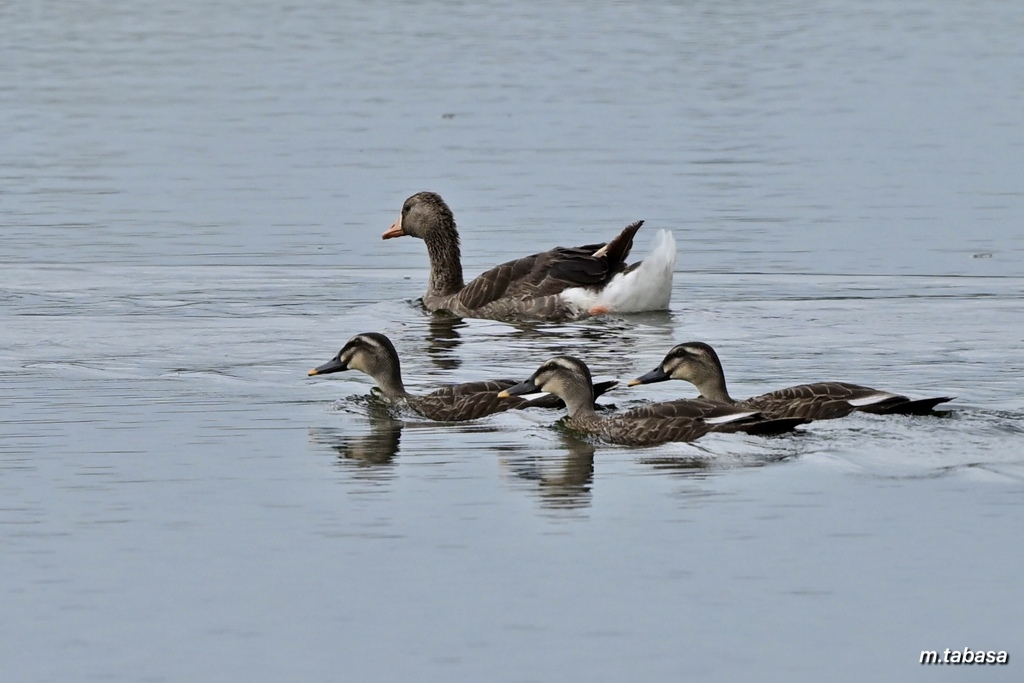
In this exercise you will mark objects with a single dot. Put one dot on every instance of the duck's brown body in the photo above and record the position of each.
(697, 363)
(373, 354)
(569, 379)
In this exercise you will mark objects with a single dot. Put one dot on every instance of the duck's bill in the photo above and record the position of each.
(394, 231)
(521, 389)
(655, 375)
(333, 365)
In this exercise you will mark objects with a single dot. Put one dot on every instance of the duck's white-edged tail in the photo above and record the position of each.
(872, 399)
(648, 287)
(733, 417)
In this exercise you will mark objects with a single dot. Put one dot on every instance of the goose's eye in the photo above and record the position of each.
(405, 209)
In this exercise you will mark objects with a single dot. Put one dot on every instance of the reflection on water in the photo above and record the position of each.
(368, 444)
(712, 463)
(593, 332)
(193, 199)
(606, 344)
(374, 449)
(443, 340)
(563, 481)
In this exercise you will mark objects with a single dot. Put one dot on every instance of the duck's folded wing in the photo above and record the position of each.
(685, 408)
(818, 391)
(467, 401)
(550, 272)
(654, 431)
(816, 401)
(484, 386)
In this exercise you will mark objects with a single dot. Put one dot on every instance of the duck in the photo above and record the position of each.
(569, 378)
(698, 363)
(374, 354)
(561, 284)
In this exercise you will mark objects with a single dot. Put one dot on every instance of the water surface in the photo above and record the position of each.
(191, 214)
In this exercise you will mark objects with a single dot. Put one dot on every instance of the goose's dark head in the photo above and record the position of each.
(694, 362)
(424, 215)
(370, 352)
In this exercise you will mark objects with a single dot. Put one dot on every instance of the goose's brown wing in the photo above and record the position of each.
(550, 272)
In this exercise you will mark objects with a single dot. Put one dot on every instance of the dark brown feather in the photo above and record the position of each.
(755, 423)
(698, 363)
(649, 431)
(550, 272)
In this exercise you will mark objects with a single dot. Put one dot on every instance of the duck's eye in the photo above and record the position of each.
(405, 209)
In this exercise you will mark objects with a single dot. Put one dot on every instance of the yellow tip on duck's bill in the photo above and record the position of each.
(312, 372)
(633, 382)
(504, 394)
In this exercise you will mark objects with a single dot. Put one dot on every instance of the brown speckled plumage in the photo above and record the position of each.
(569, 379)
(749, 420)
(523, 288)
(697, 363)
(373, 354)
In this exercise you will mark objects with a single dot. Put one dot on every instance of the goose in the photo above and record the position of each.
(558, 285)
(569, 378)
(697, 363)
(373, 354)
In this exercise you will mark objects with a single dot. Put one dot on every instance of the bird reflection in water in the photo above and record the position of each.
(563, 482)
(370, 454)
(709, 463)
(600, 342)
(443, 339)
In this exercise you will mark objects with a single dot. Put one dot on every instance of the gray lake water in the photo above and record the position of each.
(191, 206)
